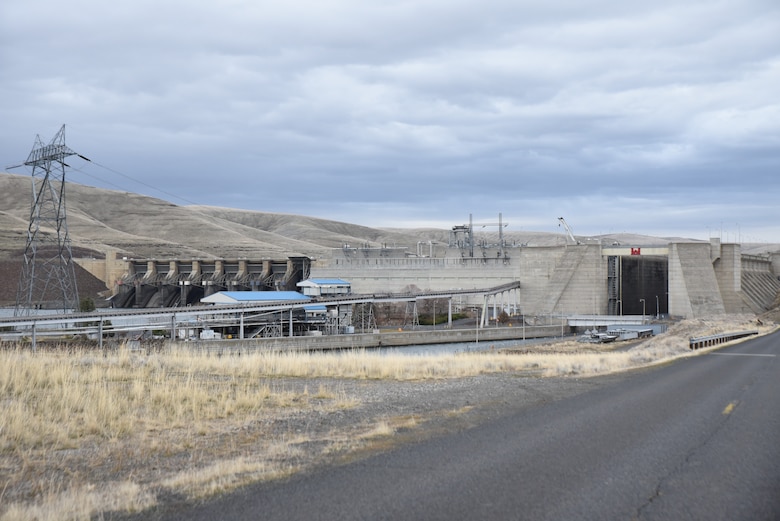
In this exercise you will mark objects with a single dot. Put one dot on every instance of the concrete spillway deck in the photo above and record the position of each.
(375, 340)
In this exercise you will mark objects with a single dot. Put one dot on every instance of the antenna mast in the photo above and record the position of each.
(48, 278)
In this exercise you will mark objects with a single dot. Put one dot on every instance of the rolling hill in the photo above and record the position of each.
(138, 226)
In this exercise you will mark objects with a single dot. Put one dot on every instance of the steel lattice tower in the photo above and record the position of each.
(48, 278)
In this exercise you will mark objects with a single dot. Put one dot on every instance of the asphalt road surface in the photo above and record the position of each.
(696, 439)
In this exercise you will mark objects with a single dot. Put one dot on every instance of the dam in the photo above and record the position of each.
(144, 283)
(681, 279)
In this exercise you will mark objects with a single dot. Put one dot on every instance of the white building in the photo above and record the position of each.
(325, 287)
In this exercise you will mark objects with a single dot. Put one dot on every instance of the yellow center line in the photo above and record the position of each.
(730, 407)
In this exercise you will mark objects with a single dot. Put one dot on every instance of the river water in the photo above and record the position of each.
(460, 347)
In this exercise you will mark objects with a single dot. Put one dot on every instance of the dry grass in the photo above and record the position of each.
(54, 400)
(388, 427)
(81, 502)
(61, 413)
(227, 474)
(193, 425)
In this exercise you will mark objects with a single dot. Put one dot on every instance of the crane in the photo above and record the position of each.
(562, 222)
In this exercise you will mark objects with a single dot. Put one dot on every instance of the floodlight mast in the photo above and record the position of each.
(48, 278)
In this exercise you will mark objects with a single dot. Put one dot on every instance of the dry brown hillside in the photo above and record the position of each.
(143, 227)
(139, 226)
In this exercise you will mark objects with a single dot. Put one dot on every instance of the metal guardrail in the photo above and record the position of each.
(708, 341)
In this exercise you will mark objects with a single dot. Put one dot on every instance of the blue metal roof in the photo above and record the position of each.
(337, 282)
(264, 296)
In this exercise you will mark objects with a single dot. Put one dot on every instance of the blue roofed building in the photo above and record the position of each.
(292, 317)
(325, 287)
(252, 297)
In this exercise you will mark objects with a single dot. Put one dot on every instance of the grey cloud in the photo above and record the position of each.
(428, 109)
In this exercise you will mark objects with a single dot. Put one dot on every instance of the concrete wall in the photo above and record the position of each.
(774, 259)
(728, 271)
(554, 280)
(534, 267)
(586, 290)
(110, 270)
(693, 286)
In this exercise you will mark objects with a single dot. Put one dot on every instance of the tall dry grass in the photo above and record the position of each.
(80, 502)
(124, 409)
(56, 400)
(53, 402)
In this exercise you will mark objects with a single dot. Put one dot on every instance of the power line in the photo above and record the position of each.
(117, 172)
(126, 176)
(118, 187)
(145, 184)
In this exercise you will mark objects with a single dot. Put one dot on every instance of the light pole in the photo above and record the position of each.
(643, 309)
(657, 308)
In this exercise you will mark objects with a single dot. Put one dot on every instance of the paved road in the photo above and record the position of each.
(697, 439)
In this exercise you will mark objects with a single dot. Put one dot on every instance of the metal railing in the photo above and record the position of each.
(708, 341)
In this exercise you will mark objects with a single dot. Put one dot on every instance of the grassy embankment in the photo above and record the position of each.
(181, 424)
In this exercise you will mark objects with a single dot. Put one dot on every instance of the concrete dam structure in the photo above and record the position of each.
(685, 279)
(171, 283)
(682, 279)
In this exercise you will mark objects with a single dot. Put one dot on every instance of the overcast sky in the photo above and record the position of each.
(661, 118)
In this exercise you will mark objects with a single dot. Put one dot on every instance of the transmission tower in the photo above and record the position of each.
(48, 278)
